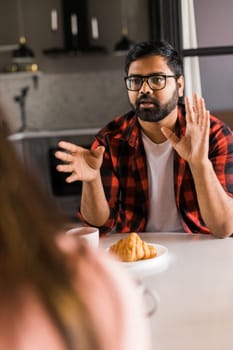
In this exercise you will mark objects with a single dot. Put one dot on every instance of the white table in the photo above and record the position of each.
(195, 291)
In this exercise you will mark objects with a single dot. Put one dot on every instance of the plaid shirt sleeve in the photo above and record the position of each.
(221, 157)
(123, 174)
(221, 154)
(111, 183)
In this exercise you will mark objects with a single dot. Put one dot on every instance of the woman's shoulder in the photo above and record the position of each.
(26, 325)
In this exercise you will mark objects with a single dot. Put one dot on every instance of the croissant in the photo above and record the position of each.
(132, 248)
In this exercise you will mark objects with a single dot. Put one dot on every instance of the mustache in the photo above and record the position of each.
(147, 99)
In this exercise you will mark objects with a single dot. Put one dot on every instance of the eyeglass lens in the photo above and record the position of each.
(155, 82)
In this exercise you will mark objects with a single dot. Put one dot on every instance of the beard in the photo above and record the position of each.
(159, 111)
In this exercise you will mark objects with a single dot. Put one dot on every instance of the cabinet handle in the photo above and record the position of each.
(54, 20)
(94, 27)
(74, 24)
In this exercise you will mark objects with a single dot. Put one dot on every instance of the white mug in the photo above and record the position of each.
(90, 234)
(150, 298)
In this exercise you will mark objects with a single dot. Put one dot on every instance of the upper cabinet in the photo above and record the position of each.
(8, 23)
(52, 27)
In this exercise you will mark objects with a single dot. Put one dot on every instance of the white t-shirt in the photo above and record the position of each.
(163, 215)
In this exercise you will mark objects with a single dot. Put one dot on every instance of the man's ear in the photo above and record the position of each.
(180, 84)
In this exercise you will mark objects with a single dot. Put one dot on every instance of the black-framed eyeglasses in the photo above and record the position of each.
(155, 81)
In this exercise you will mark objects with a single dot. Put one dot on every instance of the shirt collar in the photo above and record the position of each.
(132, 131)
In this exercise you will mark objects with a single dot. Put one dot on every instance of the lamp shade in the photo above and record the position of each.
(124, 44)
(23, 52)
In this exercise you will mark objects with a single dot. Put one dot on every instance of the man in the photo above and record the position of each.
(163, 166)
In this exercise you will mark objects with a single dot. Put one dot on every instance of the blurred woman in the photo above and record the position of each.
(55, 292)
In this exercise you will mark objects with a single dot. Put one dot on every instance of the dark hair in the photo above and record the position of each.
(29, 225)
(156, 48)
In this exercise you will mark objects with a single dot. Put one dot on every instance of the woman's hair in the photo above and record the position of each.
(155, 48)
(29, 224)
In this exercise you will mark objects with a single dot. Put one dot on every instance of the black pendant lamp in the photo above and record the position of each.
(23, 52)
(125, 43)
(23, 55)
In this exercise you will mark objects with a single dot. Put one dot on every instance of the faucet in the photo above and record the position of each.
(20, 99)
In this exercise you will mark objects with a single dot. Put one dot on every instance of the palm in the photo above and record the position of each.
(194, 145)
(86, 165)
(83, 164)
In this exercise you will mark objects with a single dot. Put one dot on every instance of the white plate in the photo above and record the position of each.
(149, 266)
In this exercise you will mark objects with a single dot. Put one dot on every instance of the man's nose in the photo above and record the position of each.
(145, 88)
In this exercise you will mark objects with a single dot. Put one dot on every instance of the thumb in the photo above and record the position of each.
(170, 135)
(98, 152)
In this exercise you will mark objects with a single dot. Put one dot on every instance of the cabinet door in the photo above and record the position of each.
(75, 19)
(104, 20)
(32, 19)
(38, 24)
(9, 22)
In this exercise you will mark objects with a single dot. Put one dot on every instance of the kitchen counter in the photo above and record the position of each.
(195, 291)
(27, 134)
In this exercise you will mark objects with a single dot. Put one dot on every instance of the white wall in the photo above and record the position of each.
(215, 28)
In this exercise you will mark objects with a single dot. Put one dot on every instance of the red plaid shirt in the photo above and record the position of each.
(124, 173)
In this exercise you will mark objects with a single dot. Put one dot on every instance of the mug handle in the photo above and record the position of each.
(154, 301)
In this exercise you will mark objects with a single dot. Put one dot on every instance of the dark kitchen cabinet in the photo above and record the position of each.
(32, 19)
(8, 23)
(99, 28)
(85, 24)
(75, 19)
(35, 152)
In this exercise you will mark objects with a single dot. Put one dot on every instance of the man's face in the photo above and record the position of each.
(149, 104)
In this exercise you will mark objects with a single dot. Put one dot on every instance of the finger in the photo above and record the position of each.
(170, 135)
(64, 156)
(196, 100)
(70, 147)
(200, 108)
(64, 168)
(206, 122)
(189, 110)
(72, 178)
(196, 106)
(202, 113)
(98, 151)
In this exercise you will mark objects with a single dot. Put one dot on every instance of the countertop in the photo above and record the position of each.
(195, 289)
(52, 133)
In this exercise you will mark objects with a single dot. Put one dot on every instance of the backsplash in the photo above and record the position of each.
(65, 101)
